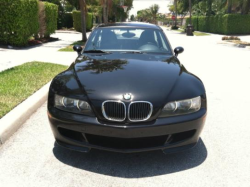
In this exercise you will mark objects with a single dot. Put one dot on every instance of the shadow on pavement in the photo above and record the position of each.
(135, 165)
(5, 47)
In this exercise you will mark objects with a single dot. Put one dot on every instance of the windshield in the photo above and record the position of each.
(128, 40)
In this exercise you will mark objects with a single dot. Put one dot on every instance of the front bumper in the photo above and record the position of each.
(81, 133)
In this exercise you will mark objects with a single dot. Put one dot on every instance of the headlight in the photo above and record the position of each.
(73, 105)
(181, 107)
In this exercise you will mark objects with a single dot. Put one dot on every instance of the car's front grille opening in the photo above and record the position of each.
(126, 143)
(177, 137)
(114, 110)
(74, 135)
(140, 111)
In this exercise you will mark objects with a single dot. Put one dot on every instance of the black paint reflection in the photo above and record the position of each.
(101, 66)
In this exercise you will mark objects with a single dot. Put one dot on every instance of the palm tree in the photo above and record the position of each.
(190, 12)
(107, 6)
(144, 15)
(154, 9)
(83, 20)
(175, 5)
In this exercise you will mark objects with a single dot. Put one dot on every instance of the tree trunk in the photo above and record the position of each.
(209, 4)
(190, 12)
(245, 7)
(175, 21)
(105, 13)
(229, 6)
(83, 20)
(242, 8)
(99, 19)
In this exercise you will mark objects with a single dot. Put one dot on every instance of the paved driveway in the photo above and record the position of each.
(221, 157)
(47, 52)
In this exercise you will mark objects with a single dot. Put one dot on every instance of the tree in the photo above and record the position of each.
(132, 17)
(244, 6)
(175, 5)
(74, 3)
(154, 9)
(182, 9)
(107, 9)
(96, 11)
(83, 15)
(190, 12)
(81, 5)
(247, 7)
(145, 15)
(229, 6)
(209, 5)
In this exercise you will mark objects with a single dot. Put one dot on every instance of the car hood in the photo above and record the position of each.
(108, 76)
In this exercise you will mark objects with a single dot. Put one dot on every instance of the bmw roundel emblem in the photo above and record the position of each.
(127, 96)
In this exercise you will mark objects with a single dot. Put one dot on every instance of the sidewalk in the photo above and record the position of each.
(245, 38)
(47, 52)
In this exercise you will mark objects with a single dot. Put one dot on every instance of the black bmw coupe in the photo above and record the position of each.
(127, 92)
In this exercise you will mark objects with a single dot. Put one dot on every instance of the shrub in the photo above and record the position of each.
(237, 24)
(77, 21)
(67, 20)
(89, 21)
(223, 24)
(18, 21)
(51, 14)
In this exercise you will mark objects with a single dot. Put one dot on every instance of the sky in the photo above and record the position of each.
(143, 4)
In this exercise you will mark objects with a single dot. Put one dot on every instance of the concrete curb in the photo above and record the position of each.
(12, 121)
(67, 31)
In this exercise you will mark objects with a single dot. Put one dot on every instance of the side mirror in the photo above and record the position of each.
(178, 50)
(77, 48)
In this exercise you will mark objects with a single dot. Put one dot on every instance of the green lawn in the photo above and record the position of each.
(18, 83)
(201, 34)
(70, 47)
(195, 32)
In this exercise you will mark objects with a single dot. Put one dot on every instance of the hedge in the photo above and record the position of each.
(18, 21)
(225, 24)
(67, 20)
(237, 24)
(194, 22)
(89, 21)
(77, 21)
(51, 14)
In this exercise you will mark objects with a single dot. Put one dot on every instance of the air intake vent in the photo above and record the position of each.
(140, 111)
(114, 110)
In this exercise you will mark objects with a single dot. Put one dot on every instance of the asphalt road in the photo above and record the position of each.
(221, 158)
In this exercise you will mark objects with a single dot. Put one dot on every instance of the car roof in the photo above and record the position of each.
(130, 24)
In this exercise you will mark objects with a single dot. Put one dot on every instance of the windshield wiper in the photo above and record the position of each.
(134, 52)
(95, 51)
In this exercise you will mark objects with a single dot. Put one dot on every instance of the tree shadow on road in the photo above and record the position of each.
(135, 165)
